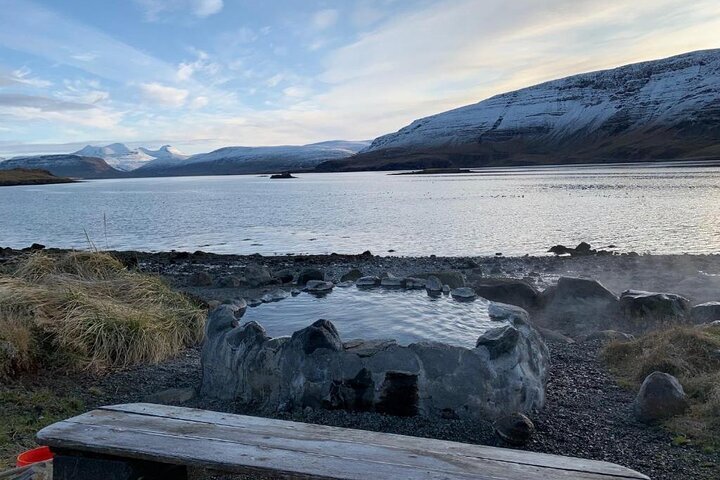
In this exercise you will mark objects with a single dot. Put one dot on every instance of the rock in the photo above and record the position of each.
(367, 282)
(345, 284)
(318, 286)
(200, 279)
(453, 278)
(256, 275)
(464, 294)
(313, 368)
(412, 283)
(308, 274)
(705, 313)
(499, 341)
(295, 292)
(610, 336)
(240, 305)
(507, 290)
(212, 304)
(514, 429)
(281, 176)
(578, 306)
(661, 396)
(171, 396)
(254, 302)
(446, 290)
(352, 276)
(433, 284)
(275, 296)
(37, 246)
(228, 281)
(392, 282)
(560, 250)
(638, 303)
(285, 276)
(583, 248)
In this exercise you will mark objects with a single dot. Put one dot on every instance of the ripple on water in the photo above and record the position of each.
(404, 315)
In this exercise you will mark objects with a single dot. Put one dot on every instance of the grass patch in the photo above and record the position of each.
(23, 412)
(692, 354)
(85, 310)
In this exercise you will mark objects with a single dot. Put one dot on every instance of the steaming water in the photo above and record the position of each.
(514, 211)
(404, 315)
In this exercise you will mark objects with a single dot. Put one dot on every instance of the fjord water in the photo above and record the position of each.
(656, 209)
(380, 313)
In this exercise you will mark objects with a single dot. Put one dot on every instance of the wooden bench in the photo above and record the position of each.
(134, 441)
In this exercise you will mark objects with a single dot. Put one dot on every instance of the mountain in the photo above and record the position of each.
(123, 158)
(658, 110)
(239, 160)
(65, 165)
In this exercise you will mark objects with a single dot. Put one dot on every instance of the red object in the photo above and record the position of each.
(35, 455)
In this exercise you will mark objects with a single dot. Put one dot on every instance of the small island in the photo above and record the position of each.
(436, 171)
(281, 176)
(29, 176)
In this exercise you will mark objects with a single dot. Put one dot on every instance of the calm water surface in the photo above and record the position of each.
(646, 209)
(404, 315)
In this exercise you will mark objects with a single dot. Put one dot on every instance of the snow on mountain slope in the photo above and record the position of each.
(123, 158)
(230, 160)
(659, 109)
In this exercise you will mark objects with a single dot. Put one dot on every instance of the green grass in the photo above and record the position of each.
(85, 310)
(23, 412)
(692, 354)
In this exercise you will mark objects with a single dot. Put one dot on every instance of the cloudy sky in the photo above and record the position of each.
(207, 73)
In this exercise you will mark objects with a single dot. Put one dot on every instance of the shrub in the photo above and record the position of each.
(86, 310)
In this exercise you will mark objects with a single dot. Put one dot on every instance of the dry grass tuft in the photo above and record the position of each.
(86, 310)
(692, 354)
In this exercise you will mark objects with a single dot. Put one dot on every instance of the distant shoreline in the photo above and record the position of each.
(23, 176)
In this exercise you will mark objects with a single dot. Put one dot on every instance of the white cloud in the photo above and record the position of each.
(199, 102)
(205, 8)
(163, 94)
(295, 92)
(24, 76)
(324, 19)
(155, 9)
(85, 57)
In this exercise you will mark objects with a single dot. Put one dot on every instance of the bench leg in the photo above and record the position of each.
(79, 466)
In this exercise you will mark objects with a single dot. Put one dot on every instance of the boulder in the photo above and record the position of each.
(318, 286)
(446, 290)
(705, 313)
(275, 296)
(553, 336)
(661, 396)
(499, 341)
(412, 283)
(464, 294)
(228, 281)
(514, 429)
(638, 303)
(352, 276)
(507, 290)
(392, 282)
(368, 282)
(285, 276)
(256, 275)
(578, 306)
(313, 368)
(200, 279)
(433, 284)
(308, 274)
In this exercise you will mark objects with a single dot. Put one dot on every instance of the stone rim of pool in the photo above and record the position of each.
(505, 372)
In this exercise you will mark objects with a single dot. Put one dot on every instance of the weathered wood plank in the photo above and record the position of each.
(301, 431)
(293, 450)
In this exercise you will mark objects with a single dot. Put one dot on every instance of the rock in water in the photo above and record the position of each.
(705, 313)
(285, 276)
(507, 290)
(310, 274)
(515, 429)
(368, 282)
(257, 275)
(352, 276)
(392, 282)
(412, 283)
(318, 286)
(661, 396)
(499, 341)
(464, 294)
(433, 284)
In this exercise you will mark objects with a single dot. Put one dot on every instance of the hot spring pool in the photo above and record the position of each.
(406, 316)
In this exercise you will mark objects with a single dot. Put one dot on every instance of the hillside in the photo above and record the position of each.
(121, 157)
(21, 176)
(74, 166)
(658, 110)
(243, 160)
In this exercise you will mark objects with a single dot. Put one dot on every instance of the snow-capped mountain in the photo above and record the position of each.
(65, 165)
(236, 160)
(656, 110)
(123, 158)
